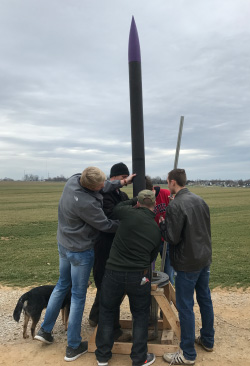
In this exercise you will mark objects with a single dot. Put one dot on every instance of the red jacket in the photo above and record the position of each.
(162, 200)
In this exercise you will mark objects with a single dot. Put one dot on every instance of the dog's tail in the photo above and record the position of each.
(19, 307)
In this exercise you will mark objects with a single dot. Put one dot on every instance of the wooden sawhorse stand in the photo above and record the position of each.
(170, 325)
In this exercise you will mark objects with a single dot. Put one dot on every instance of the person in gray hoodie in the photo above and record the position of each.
(80, 220)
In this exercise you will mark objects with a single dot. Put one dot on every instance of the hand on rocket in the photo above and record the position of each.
(129, 179)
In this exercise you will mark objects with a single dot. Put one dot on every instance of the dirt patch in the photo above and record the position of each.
(232, 333)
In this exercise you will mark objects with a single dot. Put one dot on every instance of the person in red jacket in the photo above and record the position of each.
(162, 200)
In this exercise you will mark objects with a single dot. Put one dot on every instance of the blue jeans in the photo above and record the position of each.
(168, 269)
(114, 286)
(185, 284)
(74, 270)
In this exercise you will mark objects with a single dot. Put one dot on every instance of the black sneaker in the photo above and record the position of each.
(150, 359)
(44, 336)
(72, 354)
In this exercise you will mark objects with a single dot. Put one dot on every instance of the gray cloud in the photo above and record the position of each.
(64, 95)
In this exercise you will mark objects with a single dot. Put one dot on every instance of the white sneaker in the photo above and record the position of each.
(102, 363)
(177, 358)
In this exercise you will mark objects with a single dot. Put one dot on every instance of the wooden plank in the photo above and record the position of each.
(160, 349)
(167, 291)
(154, 287)
(123, 348)
(166, 324)
(172, 293)
(167, 336)
(159, 292)
(127, 324)
(169, 314)
(157, 349)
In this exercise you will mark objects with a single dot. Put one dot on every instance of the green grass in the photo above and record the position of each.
(28, 225)
(28, 232)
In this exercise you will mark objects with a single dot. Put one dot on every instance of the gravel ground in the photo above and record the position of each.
(232, 340)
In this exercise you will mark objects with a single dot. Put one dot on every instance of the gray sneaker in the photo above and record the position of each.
(72, 354)
(177, 358)
(199, 341)
(44, 337)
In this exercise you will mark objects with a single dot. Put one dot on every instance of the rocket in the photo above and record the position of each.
(136, 110)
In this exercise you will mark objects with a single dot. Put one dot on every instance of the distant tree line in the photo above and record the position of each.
(220, 182)
(57, 179)
(212, 182)
(31, 178)
(36, 178)
(155, 181)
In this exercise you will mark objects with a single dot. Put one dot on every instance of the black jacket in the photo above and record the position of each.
(137, 240)
(102, 246)
(187, 230)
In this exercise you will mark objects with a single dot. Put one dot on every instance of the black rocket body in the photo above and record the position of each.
(136, 110)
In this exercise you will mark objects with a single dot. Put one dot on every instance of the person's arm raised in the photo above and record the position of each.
(114, 184)
(128, 180)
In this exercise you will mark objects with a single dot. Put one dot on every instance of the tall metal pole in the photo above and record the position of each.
(164, 250)
(136, 109)
(178, 143)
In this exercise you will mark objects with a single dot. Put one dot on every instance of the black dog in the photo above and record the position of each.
(33, 302)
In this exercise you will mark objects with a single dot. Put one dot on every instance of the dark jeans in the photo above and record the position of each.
(94, 312)
(102, 249)
(115, 284)
(185, 284)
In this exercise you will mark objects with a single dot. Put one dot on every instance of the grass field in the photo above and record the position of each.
(28, 225)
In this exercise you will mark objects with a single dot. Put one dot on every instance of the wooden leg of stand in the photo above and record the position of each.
(169, 292)
(167, 336)
(172, 293)
(170, 315)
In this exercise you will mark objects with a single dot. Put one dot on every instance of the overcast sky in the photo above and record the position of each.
(64, 87)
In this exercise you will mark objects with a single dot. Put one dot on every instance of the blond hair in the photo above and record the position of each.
(92, 177)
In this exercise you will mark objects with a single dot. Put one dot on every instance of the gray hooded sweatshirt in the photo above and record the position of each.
(80, 215)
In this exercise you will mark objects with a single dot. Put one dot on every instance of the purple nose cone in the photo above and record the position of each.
(134, 52)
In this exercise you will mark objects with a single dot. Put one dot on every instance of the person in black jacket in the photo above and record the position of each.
(187, 230)
(135, 246)
(102, 247)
